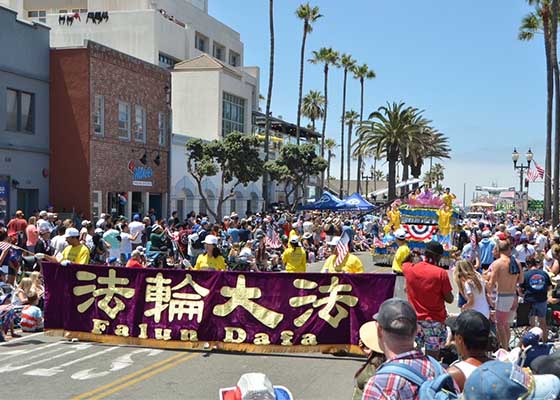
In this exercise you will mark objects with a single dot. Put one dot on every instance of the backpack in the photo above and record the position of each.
(441, 387)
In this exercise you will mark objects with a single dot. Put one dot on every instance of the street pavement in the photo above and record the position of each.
(38, 366)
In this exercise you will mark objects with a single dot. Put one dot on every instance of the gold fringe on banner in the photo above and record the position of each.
(349, 349)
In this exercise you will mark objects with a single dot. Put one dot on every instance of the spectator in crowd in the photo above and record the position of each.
(31, 315)
(211, 259)
(401, 255)
(472, 287)
(369, 343)
(137, 259)
(350, 263)
(16, 229)
(525, 251)
(294, 257)
(486, 249)
(428, 289)
(32, 234)
(535, 287)
(59, 242)
(75, 252)
(137, 229)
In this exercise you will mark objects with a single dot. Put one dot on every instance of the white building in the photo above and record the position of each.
(212, 92)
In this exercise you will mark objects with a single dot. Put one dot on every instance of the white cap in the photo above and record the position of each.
(211, 239)
(334, 241)
(85, 222)
(294, 225)
(537, 331)
(400, 234)
(72, 232)
(98, 231)
(43, 214)
(294, 239)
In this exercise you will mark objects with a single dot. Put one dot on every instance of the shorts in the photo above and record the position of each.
(538, 309)
(432, 335)
(504, 307)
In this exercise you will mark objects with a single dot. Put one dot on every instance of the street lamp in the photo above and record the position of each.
(367, 177)
(521, 167)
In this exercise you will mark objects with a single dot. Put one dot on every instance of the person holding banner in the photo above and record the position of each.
(75, 252)
(341, 260)
(294, 257)
(212, 259)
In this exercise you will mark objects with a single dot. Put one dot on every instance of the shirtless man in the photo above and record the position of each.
(506, 284)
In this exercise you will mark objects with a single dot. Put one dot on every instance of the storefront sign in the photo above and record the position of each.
(259, 312)
(4, 198)
(140, 174)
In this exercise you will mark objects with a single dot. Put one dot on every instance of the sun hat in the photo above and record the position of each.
(72, 232)
(368, 335)
(211, 239)
(530, 339)
(307, 235)
(504, 380)
(397, 316)
(99, 231)
(294, 239)
(435, 248)
(400, 234)
(334, 241)
(253, 386)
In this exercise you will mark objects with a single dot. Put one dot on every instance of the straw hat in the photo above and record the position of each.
(368, 335)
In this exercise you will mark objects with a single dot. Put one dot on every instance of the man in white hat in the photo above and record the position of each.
(75, 252)
(401, 255)
(294, 257)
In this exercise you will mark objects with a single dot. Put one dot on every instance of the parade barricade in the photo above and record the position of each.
(236, 311)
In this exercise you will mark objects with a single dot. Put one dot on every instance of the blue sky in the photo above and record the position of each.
(460, 61)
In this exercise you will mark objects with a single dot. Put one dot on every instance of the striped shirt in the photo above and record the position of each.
(394, 387)
(31, 319)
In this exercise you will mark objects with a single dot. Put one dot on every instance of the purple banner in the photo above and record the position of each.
(229, 310)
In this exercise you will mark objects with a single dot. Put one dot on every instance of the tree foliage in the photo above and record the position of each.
(235, 159)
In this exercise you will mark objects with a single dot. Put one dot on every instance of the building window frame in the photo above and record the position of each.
(201, 42)
(166, 61)
(139, 124)
(124, 120)
(98, 115)
(37, 15)
(233, 113)
(234, 58)
(20, 125)
(162, 128)
(219, 51)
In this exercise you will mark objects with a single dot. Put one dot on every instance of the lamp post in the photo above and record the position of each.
(367, 177)
(521, 167)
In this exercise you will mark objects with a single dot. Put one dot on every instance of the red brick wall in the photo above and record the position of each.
(69, 130)
(118, 77)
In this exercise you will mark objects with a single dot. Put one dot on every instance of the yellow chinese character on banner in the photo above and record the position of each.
(160, 292)
(109, 293)
(329, 302)
(241, 296)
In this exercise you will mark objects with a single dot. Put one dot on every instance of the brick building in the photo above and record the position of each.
(110, 132)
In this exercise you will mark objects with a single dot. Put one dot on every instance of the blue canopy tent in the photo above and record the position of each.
(327, 201)
(356, 202)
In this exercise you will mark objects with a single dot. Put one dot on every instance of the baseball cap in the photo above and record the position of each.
(530, 339)
(294, 239)
(44, 228)
(400, 234)
(136, 217)
(85, 222)
(211, 239)
(255, 385)
(99, 231)
(473, 326)
(72, 232)
(368, 335)
(334, 241)
(486, 234)
(434, 247)
(397, 316)
(504, 380)
(43, 214)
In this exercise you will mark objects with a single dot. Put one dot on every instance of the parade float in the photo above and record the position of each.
(424, 216)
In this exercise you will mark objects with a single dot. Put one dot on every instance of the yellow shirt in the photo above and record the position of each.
(350, 265)
(210, 263)
(448, 199)
(293, 232)
(444, 222)
(401, 254)
(76, 254)
(295, 259)
(394, 218)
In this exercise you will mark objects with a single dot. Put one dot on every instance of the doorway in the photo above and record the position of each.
(28, 200)
(155, 203)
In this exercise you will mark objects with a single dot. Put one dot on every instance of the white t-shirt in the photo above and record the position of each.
(480, 301)
(308, 227)
(126, 246)
(136, 226)
(548, 261)
(540, 242)
(523, 252)
(59, 244)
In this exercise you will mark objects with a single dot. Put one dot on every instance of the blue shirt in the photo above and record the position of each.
(535, 283)
(486, 251)
(234, 233)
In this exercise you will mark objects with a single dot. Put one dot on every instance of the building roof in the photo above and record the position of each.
(205, 62)
(278, 125)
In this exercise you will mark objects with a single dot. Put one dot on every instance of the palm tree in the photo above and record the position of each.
(361, 72)
(330, 145)
(326, 56)
(538, 22)
(309, 15)
(268, 101)
(433, 144)
(347, 63)
(434, 176)
(351, 118)
(554, 57)
(386, 132)
(313, 106)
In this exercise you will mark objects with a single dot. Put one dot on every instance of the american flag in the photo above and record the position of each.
(533, 175)
(5, 246)
(272, 238)
(342, 249)
(474, 242)
(540, 170)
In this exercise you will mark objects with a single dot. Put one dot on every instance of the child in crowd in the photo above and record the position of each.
(21, 294)
(31, 315)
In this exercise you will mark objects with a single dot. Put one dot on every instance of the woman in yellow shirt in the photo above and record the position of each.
(211, 259)
(294, 257)
(350, 265)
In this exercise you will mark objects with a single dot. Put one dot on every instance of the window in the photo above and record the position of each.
(140, 124)
(166, 61)
(99, 115)
(38, 15)
(79, 10)
(219, 51)
(124, 120)
(96, 206)
(20, 111)
(62, 11)
(234, 59)
(233, 114)
(201, 42)
(162, 128)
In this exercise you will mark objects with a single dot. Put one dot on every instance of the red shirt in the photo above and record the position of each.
(426, 286)
(132, 263)
(16, 225)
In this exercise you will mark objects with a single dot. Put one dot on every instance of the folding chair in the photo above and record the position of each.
(553, 320)
(521, 324)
